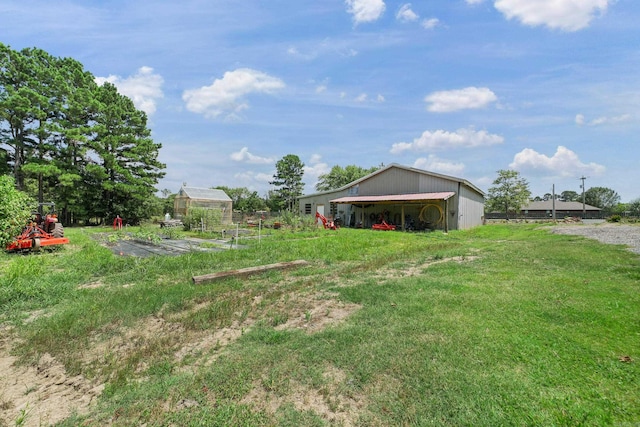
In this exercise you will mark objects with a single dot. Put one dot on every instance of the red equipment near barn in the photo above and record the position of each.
(329, 225)
(42, 230)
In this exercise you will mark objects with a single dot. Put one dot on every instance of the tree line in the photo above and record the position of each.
(65, 139)
(510, 192)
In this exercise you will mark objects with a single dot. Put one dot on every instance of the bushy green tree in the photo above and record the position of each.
(15, 210)
(243, 199)
(509, 193)
(570, 196)
(602, 197)
(339, 176)
(67, 140)
(126, 156)
(288, 180)
(633, 207)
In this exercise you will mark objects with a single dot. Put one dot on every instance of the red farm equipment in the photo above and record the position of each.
(42, 230)
(382, 224)
(330, 225)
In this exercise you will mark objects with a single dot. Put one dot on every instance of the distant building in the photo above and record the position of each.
(207, 198)
(544, 209)
(410, 198)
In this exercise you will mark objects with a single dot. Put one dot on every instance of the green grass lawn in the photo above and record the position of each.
(499, 325)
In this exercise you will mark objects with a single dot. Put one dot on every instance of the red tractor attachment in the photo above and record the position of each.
(41, 231)
(330, 225)
(383, 226)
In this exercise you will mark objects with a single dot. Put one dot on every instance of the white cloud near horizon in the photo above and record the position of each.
(143, 88)
(564, 162)
(434, 164)
(565, 15)
(405, 14)
(365, 10)
(471, 97)
(246, 157)
(227, 95)
(441, 140)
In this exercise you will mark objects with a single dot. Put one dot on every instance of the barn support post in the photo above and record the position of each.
(402, 217)
(446, 216)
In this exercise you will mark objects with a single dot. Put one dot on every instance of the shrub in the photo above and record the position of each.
(614, 218)
(15, 210)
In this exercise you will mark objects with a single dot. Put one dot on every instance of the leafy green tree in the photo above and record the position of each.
(288, 180)
(570, 196)
(510, 192)
(633, 207)
(602, 197)
(339, 176)
(243, 199)
(15, 210)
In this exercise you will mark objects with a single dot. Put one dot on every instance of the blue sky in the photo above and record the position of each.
(550, 88)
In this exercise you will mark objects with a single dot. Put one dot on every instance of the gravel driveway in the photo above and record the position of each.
(618, 234)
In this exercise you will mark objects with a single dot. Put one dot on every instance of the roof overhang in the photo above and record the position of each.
(394, 198)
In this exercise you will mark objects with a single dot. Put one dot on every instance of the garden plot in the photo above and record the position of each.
(136, 247)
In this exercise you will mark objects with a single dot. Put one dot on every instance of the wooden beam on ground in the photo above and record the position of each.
(244, 272)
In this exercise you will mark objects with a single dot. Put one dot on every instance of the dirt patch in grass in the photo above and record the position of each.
(334, 401)
(45, 394)
(42, 394)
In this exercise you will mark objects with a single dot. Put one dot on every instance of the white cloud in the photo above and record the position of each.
(143, 88)
(430, 24)
(294, 52)
(226, 95)
(460, 99)
(611, 120)
(380, 98)
(441, 140)
(435, 164)
(313, 170)
(321, 89)
(566, 15)
(474, 1)
(254, 181)
(563, 163)
(361, 98)
(603, 120)
(405, 14)
(246, 157)
(365, 10)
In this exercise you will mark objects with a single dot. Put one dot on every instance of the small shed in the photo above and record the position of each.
(410, 198)
(207, 198)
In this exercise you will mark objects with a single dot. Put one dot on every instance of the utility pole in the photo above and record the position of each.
(553, 203)
(584, 210)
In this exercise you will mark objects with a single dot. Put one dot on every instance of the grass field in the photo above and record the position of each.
(499, 325)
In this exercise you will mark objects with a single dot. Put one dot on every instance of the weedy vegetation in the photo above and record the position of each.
(499, 325)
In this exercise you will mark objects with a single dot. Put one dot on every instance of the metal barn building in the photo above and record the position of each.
(410, 198)
(207, 198)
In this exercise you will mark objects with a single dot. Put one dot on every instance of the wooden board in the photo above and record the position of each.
(243, 272)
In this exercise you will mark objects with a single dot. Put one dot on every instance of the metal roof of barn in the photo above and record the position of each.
(204, 194)
(395, 198)
(559, 205)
